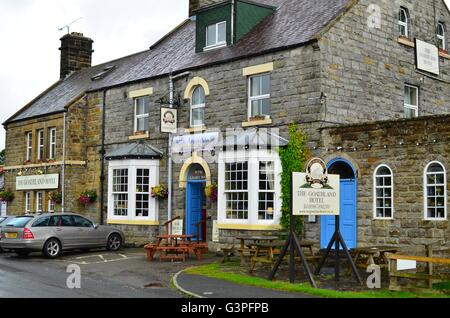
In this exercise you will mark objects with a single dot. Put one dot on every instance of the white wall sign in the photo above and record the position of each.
(427, 57)
(177, 227)
(38, 182)
(215, 232)
(403, 265)
(169, 120)
(309, 200)
(196, 142)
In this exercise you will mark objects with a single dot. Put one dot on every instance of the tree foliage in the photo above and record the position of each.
(293, 159)
(2, 157)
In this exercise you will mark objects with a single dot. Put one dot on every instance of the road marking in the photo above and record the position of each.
(103, 259)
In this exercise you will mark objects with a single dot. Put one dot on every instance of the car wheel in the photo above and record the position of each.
(114, 242)
(52, 248)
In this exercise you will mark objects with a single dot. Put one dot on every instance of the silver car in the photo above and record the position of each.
(55, 232)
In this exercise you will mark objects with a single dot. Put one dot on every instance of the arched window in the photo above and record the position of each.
(198, 107)
(403, 22)
(435, 192)
(440, 33)
(383, 193)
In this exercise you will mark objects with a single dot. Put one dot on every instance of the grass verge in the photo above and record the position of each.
(219, 271)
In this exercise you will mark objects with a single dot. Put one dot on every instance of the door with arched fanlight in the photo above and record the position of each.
(195, 200)
(348, 200)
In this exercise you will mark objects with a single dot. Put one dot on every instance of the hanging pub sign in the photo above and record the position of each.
(315, 192)
(427, 57)
(37, 182)
(169, 120)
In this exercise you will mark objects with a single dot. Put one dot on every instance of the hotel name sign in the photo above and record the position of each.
(38, 182)
(316, 192)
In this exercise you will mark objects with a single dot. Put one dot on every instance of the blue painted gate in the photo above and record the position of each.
(347, 219)
(194, 205)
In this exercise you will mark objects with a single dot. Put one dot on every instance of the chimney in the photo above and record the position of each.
(76, 53)
(199, 4)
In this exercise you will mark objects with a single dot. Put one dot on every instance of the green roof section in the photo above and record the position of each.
(249, 15)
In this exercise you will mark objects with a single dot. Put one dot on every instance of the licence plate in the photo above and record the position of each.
(11, 235)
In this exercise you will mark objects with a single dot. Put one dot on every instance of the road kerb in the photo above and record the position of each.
(181, 289)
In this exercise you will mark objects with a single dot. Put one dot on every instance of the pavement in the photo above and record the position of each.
(205, 287)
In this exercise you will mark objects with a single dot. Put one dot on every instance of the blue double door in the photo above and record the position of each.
(194, 207)
(348, 189)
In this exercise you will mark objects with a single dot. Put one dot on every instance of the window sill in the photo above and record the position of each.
(195, 129)
(132, 222)
(406, 41)
(249, 227)
(262, 122)
(139, 136)
(213, 47)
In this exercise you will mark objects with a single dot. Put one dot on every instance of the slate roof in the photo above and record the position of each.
(294, 23)
(135, 150)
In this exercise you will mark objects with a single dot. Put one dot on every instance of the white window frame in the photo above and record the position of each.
(375, 187)
(41, 144)
(136, 116)
(235, 191)
(52, 143)
(133, 166)
(51, 206)
(425, 191)
(404, 23)
(28, 202)
(267, 190)
(441, 37)
(258, 97)
(197, 107)
(253, 156)
(29, 146)
(409, 106)
(217, 44)
(39, 201)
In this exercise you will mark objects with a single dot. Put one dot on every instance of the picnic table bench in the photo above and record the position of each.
(395, 274)
(372, 255)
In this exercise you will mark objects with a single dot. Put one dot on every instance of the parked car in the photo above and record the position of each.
(52, 233)
(3, 221)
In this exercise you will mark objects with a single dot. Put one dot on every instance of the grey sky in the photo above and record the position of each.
(29, 52)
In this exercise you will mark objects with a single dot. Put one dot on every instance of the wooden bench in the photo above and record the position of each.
(395, 274)
(173, 253)
(228, 252)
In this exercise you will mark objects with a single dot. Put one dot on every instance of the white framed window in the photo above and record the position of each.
(383, 185)
(216, 35)
(52, 143)
(40, 135)
(51, 206)
(266, 196)
(259, 95)
(435, 192)
(39, 201)
(440, 33)
(403, 22)
(411, 101)
(198, 107)
(141, 114)
(29, 146)
(249, 189)
(129, 190)
(27, 202)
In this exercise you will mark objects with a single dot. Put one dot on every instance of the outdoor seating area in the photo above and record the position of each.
(176, 247)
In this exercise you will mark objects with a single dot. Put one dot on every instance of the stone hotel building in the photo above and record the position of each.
(368, 81)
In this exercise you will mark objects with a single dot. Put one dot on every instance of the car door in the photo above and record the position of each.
(65, 230)
(86, 231)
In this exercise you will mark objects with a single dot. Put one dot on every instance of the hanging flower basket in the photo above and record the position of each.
(88, 197)
(211, 192)
(160, 192)
(56, 197)
(6, 196)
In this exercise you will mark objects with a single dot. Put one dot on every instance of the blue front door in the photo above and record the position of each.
(347, 219)
(194, 205)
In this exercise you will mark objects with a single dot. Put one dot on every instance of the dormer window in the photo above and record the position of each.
(216, 35)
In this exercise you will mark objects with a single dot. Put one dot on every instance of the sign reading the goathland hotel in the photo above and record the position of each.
(316, 192)
(37, 182)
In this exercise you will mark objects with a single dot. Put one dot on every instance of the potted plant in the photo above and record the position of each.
(87, 197)
(160, 192)
(257, 118)
(56, 197)
(6, 196)
(211, 192)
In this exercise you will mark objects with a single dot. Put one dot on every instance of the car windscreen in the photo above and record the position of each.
(20, 221)
(2, 219)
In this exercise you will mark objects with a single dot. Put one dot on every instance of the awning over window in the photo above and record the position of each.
(135, 150)
(261, 138)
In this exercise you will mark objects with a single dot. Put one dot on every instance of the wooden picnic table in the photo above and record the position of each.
(249, 248)
(175, 238)
(373, 252)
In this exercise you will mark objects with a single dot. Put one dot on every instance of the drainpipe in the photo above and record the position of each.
(233, 12)
(102, 160)
(63, 172)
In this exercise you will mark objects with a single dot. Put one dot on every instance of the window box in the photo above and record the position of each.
(405, 41)
(259, 122)
(258, 118)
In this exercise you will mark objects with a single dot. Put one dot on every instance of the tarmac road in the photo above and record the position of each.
(103, 275)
